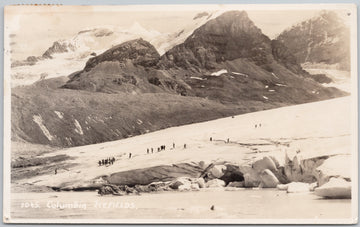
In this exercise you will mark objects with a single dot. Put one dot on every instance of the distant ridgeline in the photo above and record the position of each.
(322, 39)
(226, 66)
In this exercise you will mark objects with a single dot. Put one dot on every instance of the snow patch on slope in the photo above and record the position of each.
(59, 114)
(39, 121)
(219, 73)
(197, 78)
(240, 74)
(78, 128)
(275, 75)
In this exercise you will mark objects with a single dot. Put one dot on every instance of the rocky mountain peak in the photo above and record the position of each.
(232, 23)
(230, 36)
(138, 51)
(57, 47)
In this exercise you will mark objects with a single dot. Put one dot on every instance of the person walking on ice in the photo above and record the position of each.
(130, 155)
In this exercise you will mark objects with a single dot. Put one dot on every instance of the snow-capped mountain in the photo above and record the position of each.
(166, 42)
(226, 66)
(67, 56)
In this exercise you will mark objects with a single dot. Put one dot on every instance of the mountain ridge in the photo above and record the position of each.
(323, 38)
(226, 66)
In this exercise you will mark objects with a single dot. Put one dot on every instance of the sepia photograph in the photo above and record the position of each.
(198, 114)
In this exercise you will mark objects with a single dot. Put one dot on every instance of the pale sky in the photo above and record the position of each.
(33, 31)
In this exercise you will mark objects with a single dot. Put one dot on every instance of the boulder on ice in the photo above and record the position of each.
(251, 179)
(186, 184)
(312, 186)
(276, 161)
(180, 183)
(194, 187)
(268, 179)
(203, 164)
(336, 188)
(110, 190)
(335, 166)
(201, 182)
(297, 187)
(282, 187)
(215, 183)
(236, 184)
(264, 163)
(217, 171)
(255, 174)
(294, 187)
(117, 190)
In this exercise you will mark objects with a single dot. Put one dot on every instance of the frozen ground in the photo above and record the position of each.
(319, 128)
(315, 128)
(242, 204)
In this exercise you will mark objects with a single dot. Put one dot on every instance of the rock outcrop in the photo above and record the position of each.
(138, 51)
